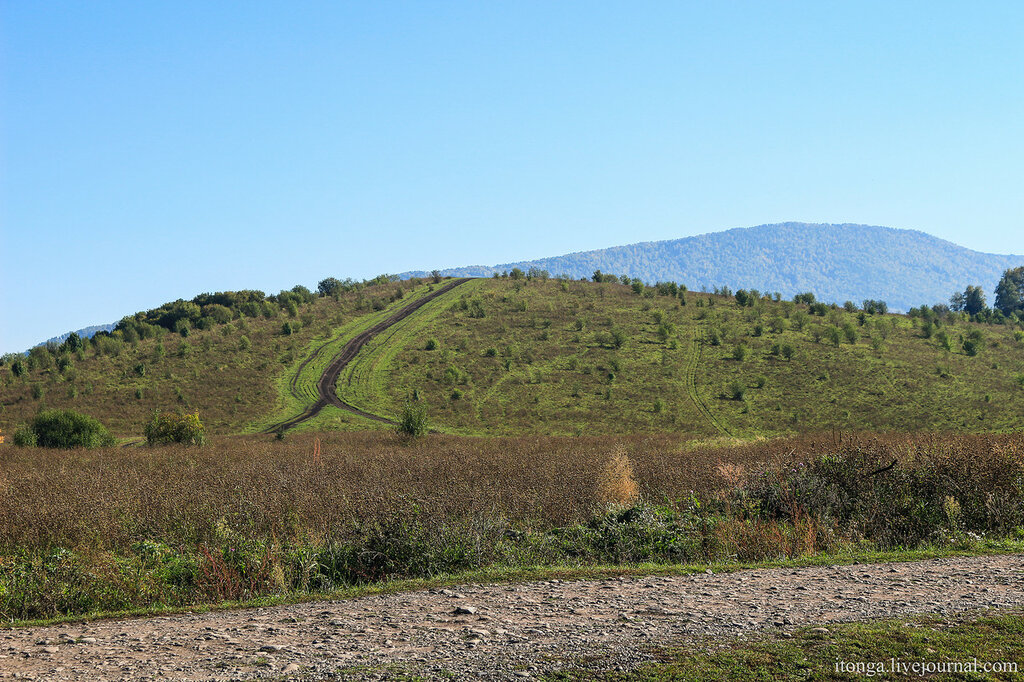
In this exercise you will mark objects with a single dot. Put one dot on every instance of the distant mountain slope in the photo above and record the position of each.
(837, 262)
(86, 333)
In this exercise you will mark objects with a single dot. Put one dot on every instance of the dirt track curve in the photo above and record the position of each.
(691, 383)
(326, 385)
(504, 632)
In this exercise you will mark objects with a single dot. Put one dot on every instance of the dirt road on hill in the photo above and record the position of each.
(502, 632)
(326, 385)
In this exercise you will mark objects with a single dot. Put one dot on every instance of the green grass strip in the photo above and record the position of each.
(883, 649)
(296, 385)
(364, 381)
(518, 574)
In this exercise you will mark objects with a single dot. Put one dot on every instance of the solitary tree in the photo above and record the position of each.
(1010, 292)
(329, 286)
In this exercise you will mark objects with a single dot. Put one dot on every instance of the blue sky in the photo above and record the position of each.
(151, 151)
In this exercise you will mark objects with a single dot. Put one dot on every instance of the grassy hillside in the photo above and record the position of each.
(907, 268)
(538, 356)
(541, 357)
(232, 373)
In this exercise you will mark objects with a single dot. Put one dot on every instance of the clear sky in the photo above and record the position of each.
(151, 151)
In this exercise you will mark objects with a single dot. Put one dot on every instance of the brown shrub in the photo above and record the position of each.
(617, 485)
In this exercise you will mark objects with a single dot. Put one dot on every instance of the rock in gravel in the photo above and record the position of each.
(464, 610)
(271, 647)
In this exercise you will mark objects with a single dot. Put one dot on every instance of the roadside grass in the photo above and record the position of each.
(498, 575)
(807, 653)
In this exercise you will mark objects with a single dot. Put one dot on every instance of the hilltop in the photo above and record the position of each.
(838, 263)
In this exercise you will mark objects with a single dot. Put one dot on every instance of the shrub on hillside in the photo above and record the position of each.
(737, 390)
(25, 437)
(63, 429)
(413, 420)
(166, 427)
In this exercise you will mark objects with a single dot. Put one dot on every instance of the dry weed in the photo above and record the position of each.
(617, 485)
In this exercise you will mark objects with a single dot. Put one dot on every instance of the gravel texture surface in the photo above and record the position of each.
(501, 632)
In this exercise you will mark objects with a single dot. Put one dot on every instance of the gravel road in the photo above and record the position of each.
(501, 632)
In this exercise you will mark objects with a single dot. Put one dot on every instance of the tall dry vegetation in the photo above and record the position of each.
(260, 485)
(116, 528)
(617, 485)
(257, 485)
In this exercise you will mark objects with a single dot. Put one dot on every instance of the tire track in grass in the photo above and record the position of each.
(326, 392)
(365, 380)
(691, 381)
(297, 390)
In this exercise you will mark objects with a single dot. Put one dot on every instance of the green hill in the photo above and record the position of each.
(545, 356)
(839, 263)
(565, 357)
(229, 371)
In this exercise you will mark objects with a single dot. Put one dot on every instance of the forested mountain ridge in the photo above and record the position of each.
(837, 263)
(86, 333)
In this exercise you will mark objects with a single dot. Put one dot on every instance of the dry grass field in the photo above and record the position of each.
(87, 530)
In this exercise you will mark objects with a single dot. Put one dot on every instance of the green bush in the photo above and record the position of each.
(63, 429)
(166, 427)
(737, 389)
(25, 437)
(834, 335)
(413, 420)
